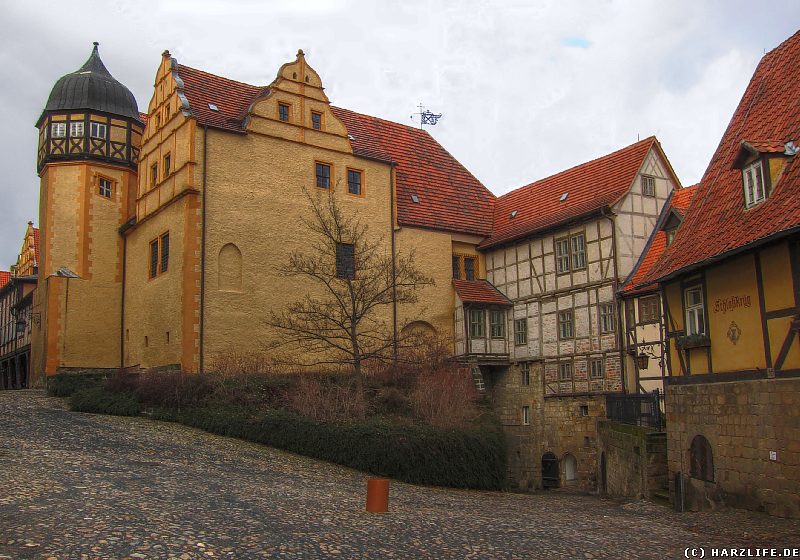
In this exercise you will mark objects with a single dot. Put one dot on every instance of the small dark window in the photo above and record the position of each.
(153, 175)
(497, 323)
(566, 327)
(606, 317)
(648, 186)
(153, 258)
(456, 267)
(701, 459)
(283, 112)
(167, 165)
(584, 410)
(565, 371)
(323, 175)
(476, 325)
(520, 332)
(596, 369)
(525, 369)
(104, 187)
(345, 261)
(354, 181)
(469, 268)
(164, 252)
(649, 309)
(316, 120)
(97, 130)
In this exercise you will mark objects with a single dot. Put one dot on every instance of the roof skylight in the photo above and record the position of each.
(213, 107)
(415, 199)
(563, 197)
(513, 213)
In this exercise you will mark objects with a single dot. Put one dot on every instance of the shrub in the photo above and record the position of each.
(445, 397)
(327, 398)
(64, 385)
(100, 400)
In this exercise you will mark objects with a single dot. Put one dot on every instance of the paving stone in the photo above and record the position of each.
(75, 486)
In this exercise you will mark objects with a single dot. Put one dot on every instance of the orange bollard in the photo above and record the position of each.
(377, 495)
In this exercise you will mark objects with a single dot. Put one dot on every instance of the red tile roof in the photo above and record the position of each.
(591, 186)
(5, 278)
(479, 291)
(717, 223)
(450, 197)
(766, 146)
(656, 245)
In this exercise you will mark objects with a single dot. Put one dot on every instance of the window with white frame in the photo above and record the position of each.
(497, 323)
(521, 332)
(570, 253)
(476, 323)
(695, 311)
(525, 370)
(97, 130)
(526, 415)
(104, 187)
(578, 246)
(753, 179)
(648, 185)
(562, 255)
(606, 317)
(566, 326)
(58, 130)
(76, 129)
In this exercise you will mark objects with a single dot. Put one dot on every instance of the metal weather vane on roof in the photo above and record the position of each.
(426, 117)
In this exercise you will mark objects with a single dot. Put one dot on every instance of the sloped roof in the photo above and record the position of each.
(5, 277)
(590, 187)
(479, 291)
(717, 224)
(450, 197)
(657, 243)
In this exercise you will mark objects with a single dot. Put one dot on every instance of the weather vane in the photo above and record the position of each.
(426, 117)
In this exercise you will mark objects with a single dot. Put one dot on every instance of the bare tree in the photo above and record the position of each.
(346, 319)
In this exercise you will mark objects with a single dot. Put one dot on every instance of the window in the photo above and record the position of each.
(566, 327)
(671, 235)
(648, 186)
(565, 371)
(153, 174)
(570, 253)
(521, 332)
(695, 311)
(76, 129)
(58, 130)
(596, 368)
(630, 314)
(584, 409)
(497, 323)
(606, 317)
(159, 262)
(476, 326)
(753, 179)
(167, 165)
(316, 120)
(104, 187)
(354, 181)
(649, 309)
(464, 267)
(97, 130)
(283, 112)
(323, 171)
(526, 415)
(525, 370)
(154, 258)
(701, 459)
(345, 261)
(164, 252)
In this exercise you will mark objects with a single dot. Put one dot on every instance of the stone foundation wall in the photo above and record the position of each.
(635, 460)
(753, 428)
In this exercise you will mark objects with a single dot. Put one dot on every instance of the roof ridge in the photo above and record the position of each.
(415, 129)
(207, 73)
(650, 139)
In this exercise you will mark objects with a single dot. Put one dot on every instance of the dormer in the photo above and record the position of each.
(762, 164)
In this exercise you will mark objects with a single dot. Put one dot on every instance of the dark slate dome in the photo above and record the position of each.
(92, 87)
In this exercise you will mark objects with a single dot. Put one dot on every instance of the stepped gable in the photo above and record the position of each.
(717, 225)
(590, 187)
(479, 291)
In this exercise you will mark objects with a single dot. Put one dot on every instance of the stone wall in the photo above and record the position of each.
(753, 430)
(635, 460)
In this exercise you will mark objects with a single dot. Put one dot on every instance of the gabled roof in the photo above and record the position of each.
(589, 188)
(717, 225)
(5, 277)
(450, 197)
(657, 243)
(479, 291)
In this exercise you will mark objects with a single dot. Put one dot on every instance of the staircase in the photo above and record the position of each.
(657, 472)
(477, 377)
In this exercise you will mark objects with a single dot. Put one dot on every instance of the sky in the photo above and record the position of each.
(526, 89)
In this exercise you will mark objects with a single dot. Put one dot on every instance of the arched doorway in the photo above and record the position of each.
(701, 459)
(550, 471)
(570, 468)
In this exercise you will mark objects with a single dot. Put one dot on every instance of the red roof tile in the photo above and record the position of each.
(680, 201)
(450, 197)
(717, 222)
(479, 291)
(766, 146)
(5, 278)
(591, 186)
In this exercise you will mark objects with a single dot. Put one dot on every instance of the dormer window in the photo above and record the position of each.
(753, 179)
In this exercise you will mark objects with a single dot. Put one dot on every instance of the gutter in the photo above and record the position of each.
(203, 245)
(393, 178)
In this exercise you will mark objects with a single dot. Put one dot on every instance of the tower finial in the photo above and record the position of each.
(300, 53)
(166, 54)
(96, 44)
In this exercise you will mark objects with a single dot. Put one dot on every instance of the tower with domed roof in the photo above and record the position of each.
(89, 137)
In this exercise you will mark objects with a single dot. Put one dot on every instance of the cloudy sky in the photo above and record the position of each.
(526, 88)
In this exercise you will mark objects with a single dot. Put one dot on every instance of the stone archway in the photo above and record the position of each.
(551, 476)
(570, 468)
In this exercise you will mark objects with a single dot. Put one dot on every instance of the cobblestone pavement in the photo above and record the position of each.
(76, 486)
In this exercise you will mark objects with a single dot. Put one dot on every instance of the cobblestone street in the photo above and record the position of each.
(78, 486)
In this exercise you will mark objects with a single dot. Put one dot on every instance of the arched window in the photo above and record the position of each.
(570, 467)
(701, 459)
(230, 268)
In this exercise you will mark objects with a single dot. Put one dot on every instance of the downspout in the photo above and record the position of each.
(203, 245)
(392, 180)
(615, 287)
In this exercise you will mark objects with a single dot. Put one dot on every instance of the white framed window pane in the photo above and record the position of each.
(578, 252)
(76, 129)
(562, 255)
(59, 130)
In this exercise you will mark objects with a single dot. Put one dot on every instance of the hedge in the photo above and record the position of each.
(99, 400)
(64, 385)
